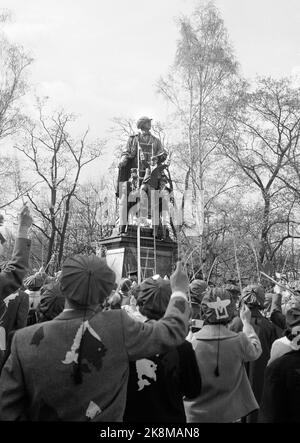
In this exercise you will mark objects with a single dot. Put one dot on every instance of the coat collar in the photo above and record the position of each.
(214, 332)
(77, 313)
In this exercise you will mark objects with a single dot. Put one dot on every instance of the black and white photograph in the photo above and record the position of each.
(149, 215)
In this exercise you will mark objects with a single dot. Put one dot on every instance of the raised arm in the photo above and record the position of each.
(251, 343)
(276, 315)
(12, 275)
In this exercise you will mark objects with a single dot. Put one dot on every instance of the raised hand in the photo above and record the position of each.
(179, 279)
(245, 314)
(25, 221)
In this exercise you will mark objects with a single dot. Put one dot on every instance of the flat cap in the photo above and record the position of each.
(86, 279)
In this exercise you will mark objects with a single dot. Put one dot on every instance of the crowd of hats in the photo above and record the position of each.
(88, 280)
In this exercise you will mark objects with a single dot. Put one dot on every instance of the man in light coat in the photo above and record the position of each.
(76, 366)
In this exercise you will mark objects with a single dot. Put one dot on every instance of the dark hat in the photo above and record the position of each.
(86, 279)
(254, 295)
(153, 297)
(52, 302)
(142, 120)
(217, 306)
(197, 288)
(234, 289)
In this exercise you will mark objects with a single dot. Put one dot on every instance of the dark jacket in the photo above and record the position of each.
(266, 332)
(157, 385)
(281, 396)
(276, 315)
(12, 275)
(14, 316)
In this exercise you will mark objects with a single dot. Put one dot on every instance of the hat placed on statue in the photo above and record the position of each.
(86, 279)
(141, 121)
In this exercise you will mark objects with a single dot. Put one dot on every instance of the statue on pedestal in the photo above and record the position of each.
(144, 179)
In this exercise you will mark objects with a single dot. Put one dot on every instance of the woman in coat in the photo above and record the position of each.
(226, 394)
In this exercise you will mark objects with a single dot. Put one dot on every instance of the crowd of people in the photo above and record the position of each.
(77, 346)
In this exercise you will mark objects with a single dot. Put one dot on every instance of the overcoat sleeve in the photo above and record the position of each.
(12, 275)
(273, 407)
(251, 346)
(154, 337)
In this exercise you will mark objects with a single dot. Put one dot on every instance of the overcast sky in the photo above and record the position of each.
(102, 58)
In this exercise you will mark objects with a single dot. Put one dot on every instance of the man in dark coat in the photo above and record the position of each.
(254, 296)
(281, 395)
(14, 312)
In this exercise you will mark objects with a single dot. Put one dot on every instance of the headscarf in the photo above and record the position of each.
(153, 297)
(254, 296)
(86, 279)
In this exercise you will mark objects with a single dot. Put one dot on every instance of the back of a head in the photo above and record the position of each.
(197, 289)
(217, 306)
(254, 296)
(233, 289)
(86, 280)
(125, 285)
(52, 302)
(153, 297)
(35, 282)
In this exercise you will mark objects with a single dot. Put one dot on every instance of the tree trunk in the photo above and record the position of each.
(265, 228)
(64, 230)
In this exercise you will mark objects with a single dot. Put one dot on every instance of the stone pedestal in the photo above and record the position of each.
(121, 254)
